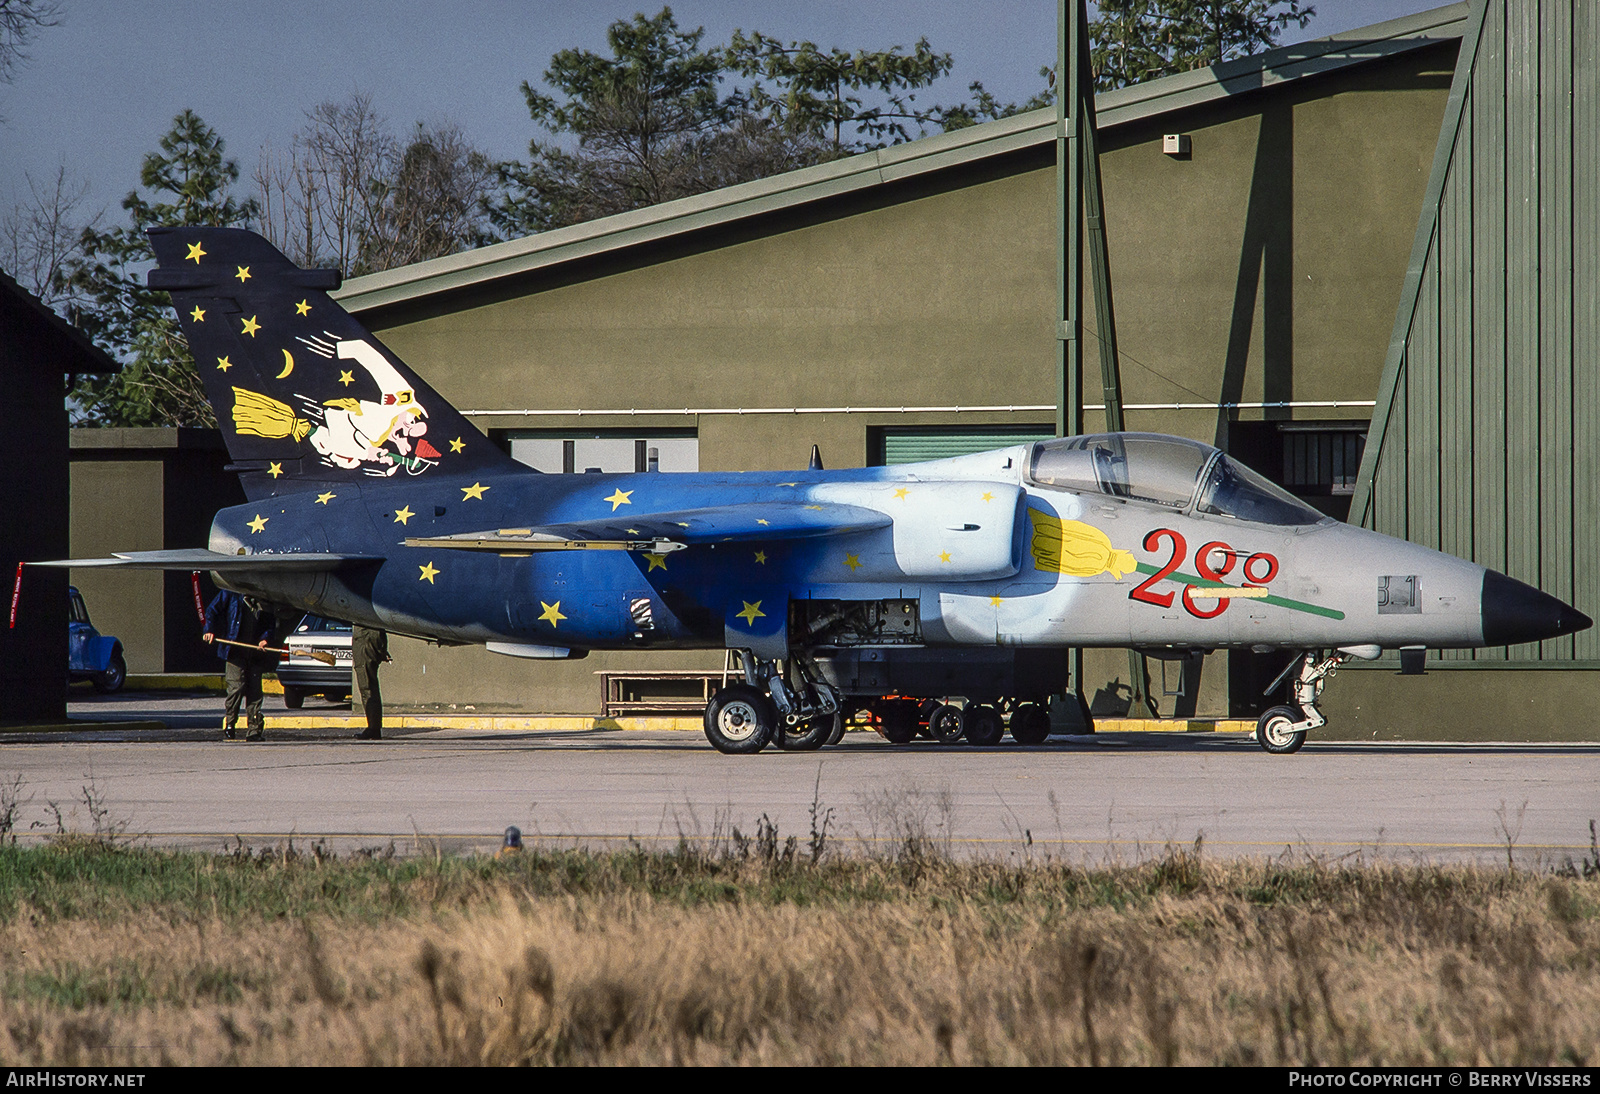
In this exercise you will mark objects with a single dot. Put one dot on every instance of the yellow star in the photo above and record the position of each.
(852, 561)
(551, 614)
(198, 315)
(456, 445)
(244, 274)
(428, 573)
(475, 491)
(345, 378)
(760, 521)
(814, 507)
(681, 523)
(275, 470)
(403, 515)
(902, 492)
(250, 327)
(621, 497)
(257, 525)
(944, 556)
(987, 496)
(224, 364)
(194, 252)
(633, 531)
(324, 499)
(761, 558)
(788, 484)
(751, 613)
(302, 308)
(657, 562)
(995, 600)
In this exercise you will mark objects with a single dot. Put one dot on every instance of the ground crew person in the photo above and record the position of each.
(240, 619)
(370, 648)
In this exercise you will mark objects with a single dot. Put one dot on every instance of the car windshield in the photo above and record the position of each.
(1233, 490)
(315, 624)
(1138, 466)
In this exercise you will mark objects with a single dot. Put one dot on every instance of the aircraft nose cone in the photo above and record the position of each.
(1514, 613)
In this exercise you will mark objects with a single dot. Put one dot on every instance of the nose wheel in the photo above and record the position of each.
(1276, 732)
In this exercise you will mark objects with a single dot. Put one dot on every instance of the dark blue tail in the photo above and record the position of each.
(303, 392)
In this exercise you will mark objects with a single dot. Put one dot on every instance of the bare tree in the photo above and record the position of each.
(40, 237)
(348, 194)
(431, 204)
(20, 22)
(319, 198)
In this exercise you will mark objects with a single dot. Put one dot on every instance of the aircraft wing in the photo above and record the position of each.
(202, 559)
(663, 532)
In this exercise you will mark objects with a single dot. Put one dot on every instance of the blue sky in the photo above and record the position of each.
(103, 86)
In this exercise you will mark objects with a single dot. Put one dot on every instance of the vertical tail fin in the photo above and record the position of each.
(302, 391)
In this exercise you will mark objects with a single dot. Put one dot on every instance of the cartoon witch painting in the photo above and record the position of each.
(380, 436)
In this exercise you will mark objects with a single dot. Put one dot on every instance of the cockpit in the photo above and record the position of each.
(1167, 471)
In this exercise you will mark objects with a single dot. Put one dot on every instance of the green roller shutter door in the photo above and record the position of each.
(910, 445)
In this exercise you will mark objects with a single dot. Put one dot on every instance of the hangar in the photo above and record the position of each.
(901, 304)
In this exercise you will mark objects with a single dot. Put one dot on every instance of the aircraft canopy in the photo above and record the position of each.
(1166, 471)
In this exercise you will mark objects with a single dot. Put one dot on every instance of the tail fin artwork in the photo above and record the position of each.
(303, 392)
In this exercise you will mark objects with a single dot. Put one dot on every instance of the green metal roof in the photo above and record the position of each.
(888, 165)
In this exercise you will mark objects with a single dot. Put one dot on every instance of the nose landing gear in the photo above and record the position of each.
(1281, 730)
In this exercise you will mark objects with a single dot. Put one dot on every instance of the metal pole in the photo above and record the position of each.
(1069, 253)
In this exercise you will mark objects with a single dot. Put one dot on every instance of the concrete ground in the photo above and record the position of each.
(1112, 796)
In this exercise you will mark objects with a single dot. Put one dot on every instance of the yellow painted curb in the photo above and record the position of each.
(1174, 725)
(489, 723)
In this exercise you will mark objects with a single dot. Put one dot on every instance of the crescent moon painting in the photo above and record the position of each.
(288, 364)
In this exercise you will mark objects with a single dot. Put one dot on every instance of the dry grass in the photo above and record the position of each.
(754, 953)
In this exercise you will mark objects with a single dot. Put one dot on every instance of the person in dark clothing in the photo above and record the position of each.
(240, 619)
(370, 648)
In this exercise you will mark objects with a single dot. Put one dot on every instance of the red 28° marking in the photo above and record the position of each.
(1179, 549)
(1202, 563)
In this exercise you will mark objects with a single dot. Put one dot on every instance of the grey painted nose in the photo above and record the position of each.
(1515, 613)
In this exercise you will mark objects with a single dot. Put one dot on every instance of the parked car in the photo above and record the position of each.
(92, 656)
(302, 675)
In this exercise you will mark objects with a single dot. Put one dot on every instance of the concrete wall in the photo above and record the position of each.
(147, 490)
(1264, 267)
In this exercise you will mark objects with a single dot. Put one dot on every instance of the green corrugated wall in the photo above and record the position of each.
(1489, 409)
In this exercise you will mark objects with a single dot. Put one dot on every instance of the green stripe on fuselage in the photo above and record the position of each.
(1280, 601)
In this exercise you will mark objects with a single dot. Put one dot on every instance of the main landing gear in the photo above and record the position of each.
(796, 711)
(1282, 729)
(797, 715)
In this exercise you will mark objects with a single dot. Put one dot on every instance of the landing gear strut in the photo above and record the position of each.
(1282, 729)
(796, 716)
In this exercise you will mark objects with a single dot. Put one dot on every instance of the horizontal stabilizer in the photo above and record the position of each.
(660, 533)
(202, 559)
(525, 541)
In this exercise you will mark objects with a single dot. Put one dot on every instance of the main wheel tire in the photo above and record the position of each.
(899, 722)
(946, 724)
(925, 718)
(114, 677)
(1030, 724)
(1274, 734)
(984, 726)
(807, 736)
(836, 734)
(293, 698)
(740, 720)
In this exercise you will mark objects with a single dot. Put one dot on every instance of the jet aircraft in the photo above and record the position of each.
(884, 590)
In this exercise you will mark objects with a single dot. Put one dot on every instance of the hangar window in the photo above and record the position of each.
(569, 452)
(914, 444)
(1317, 462)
